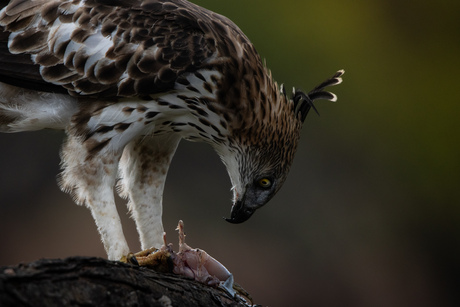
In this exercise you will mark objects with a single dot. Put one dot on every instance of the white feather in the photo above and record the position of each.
(96, 46)
(62, 32)
(36, 110)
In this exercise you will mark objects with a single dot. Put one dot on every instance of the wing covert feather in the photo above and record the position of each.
(104, 48)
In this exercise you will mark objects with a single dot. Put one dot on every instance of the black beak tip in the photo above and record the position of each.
(239, 216)
(234, 220)
(240, 212)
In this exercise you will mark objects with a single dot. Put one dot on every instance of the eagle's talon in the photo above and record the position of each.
(130, 258)
(146, 252)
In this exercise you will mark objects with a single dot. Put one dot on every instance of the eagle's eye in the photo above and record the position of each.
(265, 183)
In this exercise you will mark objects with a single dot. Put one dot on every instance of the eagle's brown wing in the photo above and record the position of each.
(105, 48)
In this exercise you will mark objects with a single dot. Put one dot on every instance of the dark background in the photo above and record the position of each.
(369, 215)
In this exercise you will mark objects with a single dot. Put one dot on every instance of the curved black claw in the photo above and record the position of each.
(130, 258)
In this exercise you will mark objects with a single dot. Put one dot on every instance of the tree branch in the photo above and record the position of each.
(85, 281)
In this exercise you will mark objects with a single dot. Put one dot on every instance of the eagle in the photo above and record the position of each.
(127, 80)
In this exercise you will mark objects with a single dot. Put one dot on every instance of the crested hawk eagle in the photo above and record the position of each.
(127, 80)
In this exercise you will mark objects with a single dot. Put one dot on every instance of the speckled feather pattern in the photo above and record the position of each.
(127, 80)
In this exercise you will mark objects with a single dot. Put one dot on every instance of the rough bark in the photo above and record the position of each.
(83, 281)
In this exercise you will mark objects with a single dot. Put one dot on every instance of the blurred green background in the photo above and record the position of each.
(370, 214)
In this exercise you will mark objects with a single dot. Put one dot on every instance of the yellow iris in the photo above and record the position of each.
(265, 183)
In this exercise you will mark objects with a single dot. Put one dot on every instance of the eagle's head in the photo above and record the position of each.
(261, 157)
(257, 173)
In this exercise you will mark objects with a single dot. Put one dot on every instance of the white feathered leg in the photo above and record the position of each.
(143, 169)
(90, 178)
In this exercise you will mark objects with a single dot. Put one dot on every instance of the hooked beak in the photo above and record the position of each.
(241, 212)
